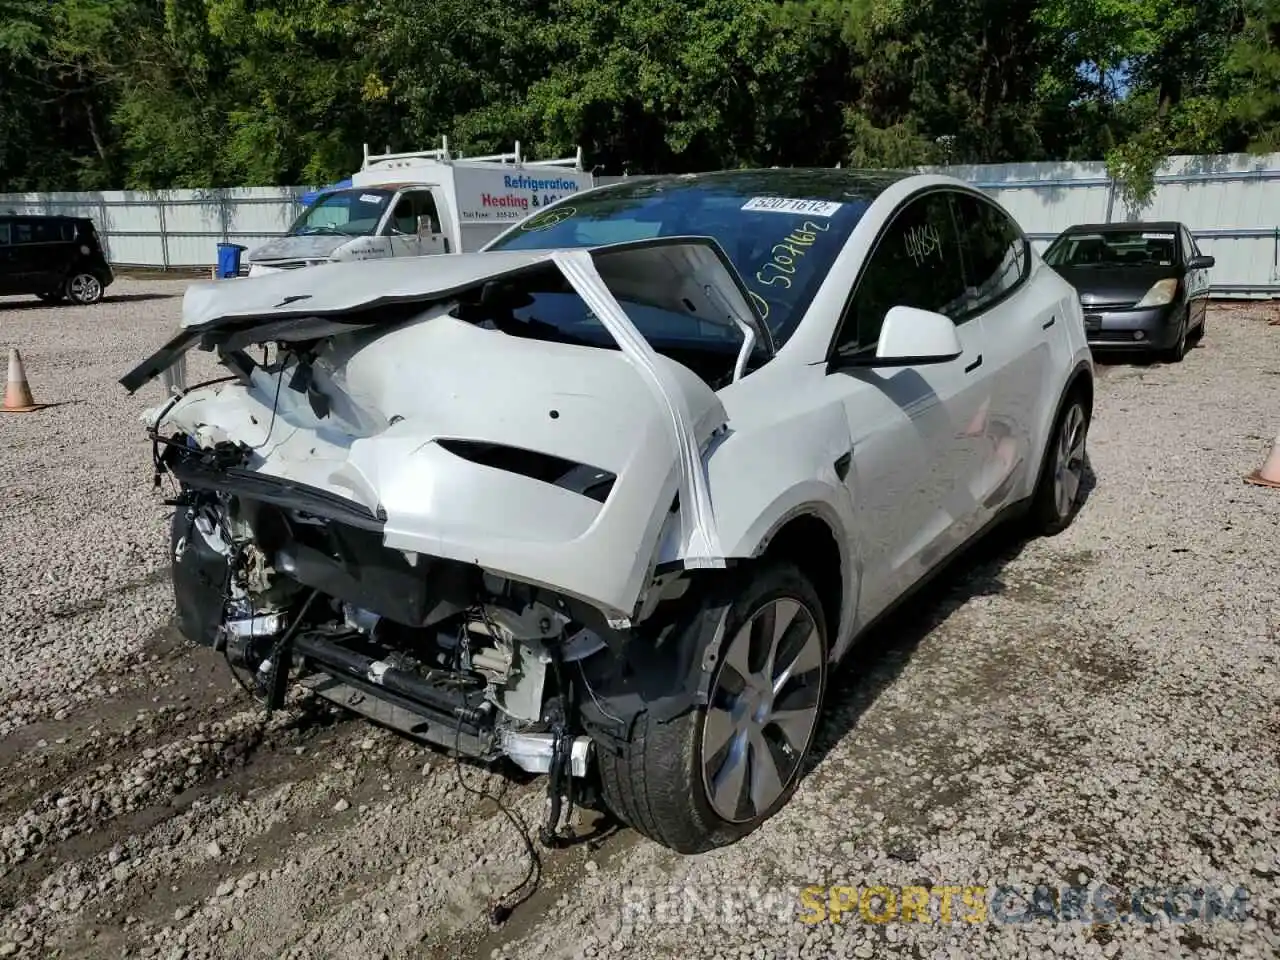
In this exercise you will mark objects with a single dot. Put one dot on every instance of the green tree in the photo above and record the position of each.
(657, 85)
(941, 81)
(54, 126)
(1156, 72)
(203, 93)
(1254, 70)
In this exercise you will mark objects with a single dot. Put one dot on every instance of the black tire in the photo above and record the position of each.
(1198, 333)
(655, 782)
(1175, 353)
(83, 288)
(1046, 516)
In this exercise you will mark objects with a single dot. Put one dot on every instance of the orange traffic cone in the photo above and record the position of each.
(17, 395)
(1268, 475)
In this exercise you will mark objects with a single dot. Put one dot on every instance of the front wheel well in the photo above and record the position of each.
(808, 542)
(1082, 383)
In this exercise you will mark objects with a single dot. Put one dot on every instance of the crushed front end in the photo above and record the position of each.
(472, 537)
(296, 587)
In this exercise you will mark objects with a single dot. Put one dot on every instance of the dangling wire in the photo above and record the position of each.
(275, 404)
(503, 907)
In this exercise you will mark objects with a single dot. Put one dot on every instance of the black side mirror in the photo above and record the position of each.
(1202, 262)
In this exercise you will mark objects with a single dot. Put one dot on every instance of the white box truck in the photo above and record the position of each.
(420, 203)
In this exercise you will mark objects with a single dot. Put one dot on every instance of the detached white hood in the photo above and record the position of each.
(411, 404)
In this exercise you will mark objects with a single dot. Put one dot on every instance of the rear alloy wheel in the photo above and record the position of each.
(84, 289)
(1058, 496)
(711, 776)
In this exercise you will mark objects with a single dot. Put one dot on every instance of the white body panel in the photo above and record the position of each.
(904, 464)
(633, 413)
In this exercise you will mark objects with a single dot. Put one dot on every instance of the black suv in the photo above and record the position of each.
(55, 258)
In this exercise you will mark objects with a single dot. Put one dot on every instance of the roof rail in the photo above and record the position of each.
(443, 155)
(575, 161)
(512, 157)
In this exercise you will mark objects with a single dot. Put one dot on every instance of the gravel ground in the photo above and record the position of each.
(1096, 708)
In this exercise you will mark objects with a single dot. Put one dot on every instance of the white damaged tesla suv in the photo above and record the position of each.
(610, 498)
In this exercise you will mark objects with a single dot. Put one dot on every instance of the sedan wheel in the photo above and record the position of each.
(1058, 494)
(763, 711)
(84, 288)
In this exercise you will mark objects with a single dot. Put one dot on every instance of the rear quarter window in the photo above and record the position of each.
(994, 250)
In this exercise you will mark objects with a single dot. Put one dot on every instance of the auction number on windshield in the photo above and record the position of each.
(779, 270)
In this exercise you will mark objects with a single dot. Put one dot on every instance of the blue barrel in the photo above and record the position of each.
(229, 259)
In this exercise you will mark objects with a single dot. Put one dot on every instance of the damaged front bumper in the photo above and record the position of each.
(286, 586)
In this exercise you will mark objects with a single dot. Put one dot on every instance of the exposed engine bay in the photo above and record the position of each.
(441, 651)
(484, 658)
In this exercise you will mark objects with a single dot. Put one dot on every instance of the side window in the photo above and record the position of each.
(4, 233)
(1189, 243)
(22, 232)
(410, 206)
(994, 251)
(402, 220)
(426, 207)
(916, 263)
(48, 231)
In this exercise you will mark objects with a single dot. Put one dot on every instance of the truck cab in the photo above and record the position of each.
(419, 204)
(358, 223)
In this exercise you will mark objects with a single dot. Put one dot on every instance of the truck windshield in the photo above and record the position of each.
(781, 229)
(352, 213)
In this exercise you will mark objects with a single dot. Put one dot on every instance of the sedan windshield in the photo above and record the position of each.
(1113, 249)
(781, 229)
(351, 213)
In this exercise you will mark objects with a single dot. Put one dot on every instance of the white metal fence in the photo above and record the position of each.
(1231, 204)
(171, 228)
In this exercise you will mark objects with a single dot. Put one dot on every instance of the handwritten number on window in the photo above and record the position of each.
(922, 242)
(781, 266)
